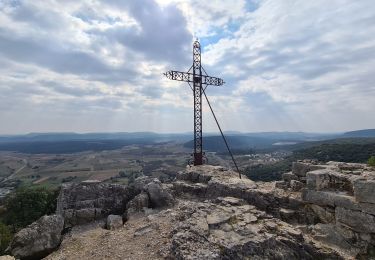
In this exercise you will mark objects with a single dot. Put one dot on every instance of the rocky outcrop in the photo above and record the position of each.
(340, 200)
(318, 211)
(38, 239)
(230, 228)
(209, 182)
(88, 201)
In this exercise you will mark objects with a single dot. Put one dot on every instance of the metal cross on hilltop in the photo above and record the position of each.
(195, 76)
(200, 82)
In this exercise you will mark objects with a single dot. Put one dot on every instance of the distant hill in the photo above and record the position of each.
(61, 147)
(360, 133)
(237, 142)
(240, 142)
(343, 150)
(42, 137)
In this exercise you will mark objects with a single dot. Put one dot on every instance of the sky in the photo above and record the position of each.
(97, 66)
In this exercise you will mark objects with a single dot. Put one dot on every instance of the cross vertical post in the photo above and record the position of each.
(197, 92)
(198, 79)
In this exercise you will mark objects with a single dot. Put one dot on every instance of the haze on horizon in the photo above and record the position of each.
(96, 66)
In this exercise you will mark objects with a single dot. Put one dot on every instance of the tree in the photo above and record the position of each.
(27, 205)
(371, 161)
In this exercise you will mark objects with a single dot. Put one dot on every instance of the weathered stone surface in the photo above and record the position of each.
(281, 185)
(216, 215)
(367, 208)
(217, 218)
(364, 190)
(138, 204)
(318, 180)
(356, 220)
(159, 197)
(300, 168)
(325, 215)
(296, 185)
(182, 188)
(328, 179)
(114, 222)
(7, 257)
(85, 202)
(288, 176)
(239, 233)
(321, 198)
(328, 198)
(336, 237)
(38, 239)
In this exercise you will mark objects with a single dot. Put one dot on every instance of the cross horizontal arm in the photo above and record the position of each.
(188, 77)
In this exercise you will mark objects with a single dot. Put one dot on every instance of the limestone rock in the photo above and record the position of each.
(324, 214)
(336, 237)
(319, 197)
(217, 218)
(287, 214)
(114, 222)
(288, 176)
(38, 239)
(7, 257)
(364, 190)
(138, 204)
(301, 168)
(159, 196)
(86, 202)
(238, 232)
(296, 185)
(356, 220)
(317, 180)
(281, 185)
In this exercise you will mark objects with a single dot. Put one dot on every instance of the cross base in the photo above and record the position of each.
(198, 159)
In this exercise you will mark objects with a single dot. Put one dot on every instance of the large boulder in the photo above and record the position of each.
(38, 239)
(88, 201)
(159, 196)
(138, 204)
(301, 168)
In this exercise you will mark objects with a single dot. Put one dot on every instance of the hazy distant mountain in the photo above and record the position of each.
(56, 137)
(70, 142)
(236, 142)
(360, 133)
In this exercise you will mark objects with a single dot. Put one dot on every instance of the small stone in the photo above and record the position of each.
(114, 222)
(217, 218)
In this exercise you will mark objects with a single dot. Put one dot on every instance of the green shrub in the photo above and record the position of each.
(5, 237)
(371, 161)
(27, 205)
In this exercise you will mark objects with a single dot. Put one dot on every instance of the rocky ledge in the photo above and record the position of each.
(316, 212)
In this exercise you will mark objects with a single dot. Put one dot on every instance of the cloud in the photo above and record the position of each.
(97, 65)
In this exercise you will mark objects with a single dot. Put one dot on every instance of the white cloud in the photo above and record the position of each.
(289, 65)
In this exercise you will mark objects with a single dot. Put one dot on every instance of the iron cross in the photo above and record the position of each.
(199, 80)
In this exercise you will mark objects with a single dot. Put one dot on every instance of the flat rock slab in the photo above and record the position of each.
(217, 218)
